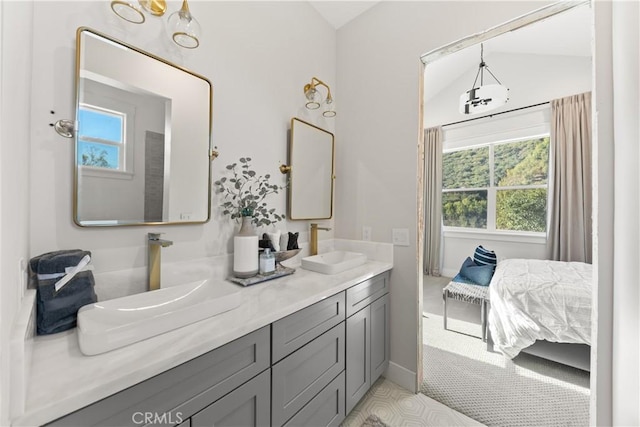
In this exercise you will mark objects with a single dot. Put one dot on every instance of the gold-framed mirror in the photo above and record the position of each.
(311, 173)
(142, 137)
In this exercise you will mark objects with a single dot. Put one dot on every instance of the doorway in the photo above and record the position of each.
(440, 106)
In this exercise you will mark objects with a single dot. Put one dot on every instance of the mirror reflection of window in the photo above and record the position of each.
(101, 138)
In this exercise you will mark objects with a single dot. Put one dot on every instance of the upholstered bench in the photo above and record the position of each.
(472, 294)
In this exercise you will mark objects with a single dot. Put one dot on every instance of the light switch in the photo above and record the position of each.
(400, 236)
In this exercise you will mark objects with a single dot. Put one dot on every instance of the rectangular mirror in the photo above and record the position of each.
(143, 131)
(311, 152)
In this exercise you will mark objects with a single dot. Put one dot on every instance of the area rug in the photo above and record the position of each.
(496, 391)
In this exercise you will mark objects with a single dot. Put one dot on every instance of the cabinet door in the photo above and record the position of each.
(380, 347)
(246, 406)
(358, 357)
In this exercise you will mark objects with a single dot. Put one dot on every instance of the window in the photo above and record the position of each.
(501, 186)
(101, 138)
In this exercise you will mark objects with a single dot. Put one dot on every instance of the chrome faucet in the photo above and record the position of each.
(313, 239)
(155, 243)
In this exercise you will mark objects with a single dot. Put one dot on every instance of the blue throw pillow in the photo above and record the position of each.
(478, 274)
(483, 256)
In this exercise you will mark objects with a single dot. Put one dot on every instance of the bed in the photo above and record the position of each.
(544, 302)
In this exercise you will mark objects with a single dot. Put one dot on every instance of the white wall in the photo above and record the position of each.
(15, 73)
(379, 74)
(626, 302)
(258, 57)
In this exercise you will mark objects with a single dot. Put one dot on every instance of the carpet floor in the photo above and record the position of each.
(526, 391)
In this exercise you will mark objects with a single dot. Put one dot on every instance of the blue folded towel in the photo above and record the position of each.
(57, 310)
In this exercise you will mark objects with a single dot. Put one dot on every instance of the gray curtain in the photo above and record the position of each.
(433, 200)
(570, 226)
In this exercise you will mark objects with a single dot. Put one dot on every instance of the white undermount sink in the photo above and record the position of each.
(333, 262)
(111, 324)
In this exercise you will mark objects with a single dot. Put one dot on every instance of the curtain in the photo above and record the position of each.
(433, 200)
(570, 226)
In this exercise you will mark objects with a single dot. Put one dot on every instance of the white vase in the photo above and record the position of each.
(245, 250)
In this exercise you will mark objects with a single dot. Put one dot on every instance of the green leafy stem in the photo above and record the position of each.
(244, 193)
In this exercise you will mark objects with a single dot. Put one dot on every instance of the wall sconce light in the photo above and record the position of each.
(484, 97)
(182, 27)
(314, 99)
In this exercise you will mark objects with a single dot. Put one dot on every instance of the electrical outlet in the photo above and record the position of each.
(366, 233)
(400, 236)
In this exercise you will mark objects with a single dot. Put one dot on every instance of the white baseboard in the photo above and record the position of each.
(401, 376)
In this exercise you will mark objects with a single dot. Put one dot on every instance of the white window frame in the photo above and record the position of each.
(492, 189)
(120, 144)
(125, 170)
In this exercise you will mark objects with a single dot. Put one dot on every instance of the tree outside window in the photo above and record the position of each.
(497, 187)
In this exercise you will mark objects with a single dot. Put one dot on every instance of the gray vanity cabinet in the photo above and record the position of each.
(368, 347)
(302, 375)
(247, 406)
(173, 396)
(307, 369)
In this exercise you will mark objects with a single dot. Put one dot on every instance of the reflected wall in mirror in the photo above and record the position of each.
(311, 152)
(142, 139)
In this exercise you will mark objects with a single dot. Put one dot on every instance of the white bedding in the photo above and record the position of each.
(539, 299)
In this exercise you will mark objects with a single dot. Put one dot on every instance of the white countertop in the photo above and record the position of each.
(63, 380)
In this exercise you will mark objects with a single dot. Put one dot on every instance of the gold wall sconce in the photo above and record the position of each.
(314, 99)
(182, 27)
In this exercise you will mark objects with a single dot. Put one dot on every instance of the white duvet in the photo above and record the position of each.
(539, 300)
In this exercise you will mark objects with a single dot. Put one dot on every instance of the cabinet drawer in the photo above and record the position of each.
(363, 294)
(247, 406)
(297, 329)
(183, 390)
(299, 377)
(324, 410)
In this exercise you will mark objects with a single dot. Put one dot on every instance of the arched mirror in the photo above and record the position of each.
(143, 131)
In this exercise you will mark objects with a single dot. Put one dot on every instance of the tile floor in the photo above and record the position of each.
(398, 407)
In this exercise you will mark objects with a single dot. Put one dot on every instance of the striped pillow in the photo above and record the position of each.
(483, 256)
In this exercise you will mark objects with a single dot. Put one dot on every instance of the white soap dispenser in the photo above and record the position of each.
(267, 262)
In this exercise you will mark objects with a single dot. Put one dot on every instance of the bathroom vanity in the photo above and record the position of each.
(301, 350)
